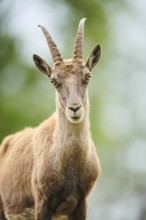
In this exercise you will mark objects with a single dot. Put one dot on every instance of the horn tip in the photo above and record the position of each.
(41, 26)
(83, 19)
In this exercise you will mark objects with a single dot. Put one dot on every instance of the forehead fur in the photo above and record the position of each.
(68, 67)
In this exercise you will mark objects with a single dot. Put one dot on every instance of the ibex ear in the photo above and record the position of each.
(42, 65)
(93, 57)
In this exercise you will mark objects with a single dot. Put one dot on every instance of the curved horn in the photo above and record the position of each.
(78, 50)
(56, 56)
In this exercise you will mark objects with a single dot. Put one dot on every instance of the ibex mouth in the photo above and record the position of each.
(75, 118)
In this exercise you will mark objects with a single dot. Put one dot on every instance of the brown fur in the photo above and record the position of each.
(48, 171)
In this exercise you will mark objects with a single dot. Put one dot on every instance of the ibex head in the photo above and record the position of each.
(70, 77)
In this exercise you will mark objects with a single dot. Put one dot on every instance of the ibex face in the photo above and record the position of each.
(70, 80)
(70, 77)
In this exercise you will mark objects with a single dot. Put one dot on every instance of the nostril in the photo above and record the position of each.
(74, 109)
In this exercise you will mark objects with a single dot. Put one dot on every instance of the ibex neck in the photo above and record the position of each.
(72, 141)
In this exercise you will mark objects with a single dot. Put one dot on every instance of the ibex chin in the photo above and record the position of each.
(47, 172)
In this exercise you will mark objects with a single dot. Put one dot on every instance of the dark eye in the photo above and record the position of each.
(55, 83)
(87, 77)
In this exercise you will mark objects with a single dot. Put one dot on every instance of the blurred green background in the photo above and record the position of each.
(117, 89)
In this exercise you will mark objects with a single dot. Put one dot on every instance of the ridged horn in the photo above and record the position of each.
(78, 48)
(55, 53)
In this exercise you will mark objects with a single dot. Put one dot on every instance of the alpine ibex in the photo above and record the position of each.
(47, 172)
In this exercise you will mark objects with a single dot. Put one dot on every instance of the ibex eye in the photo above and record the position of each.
(55, 83)
(87, 77)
